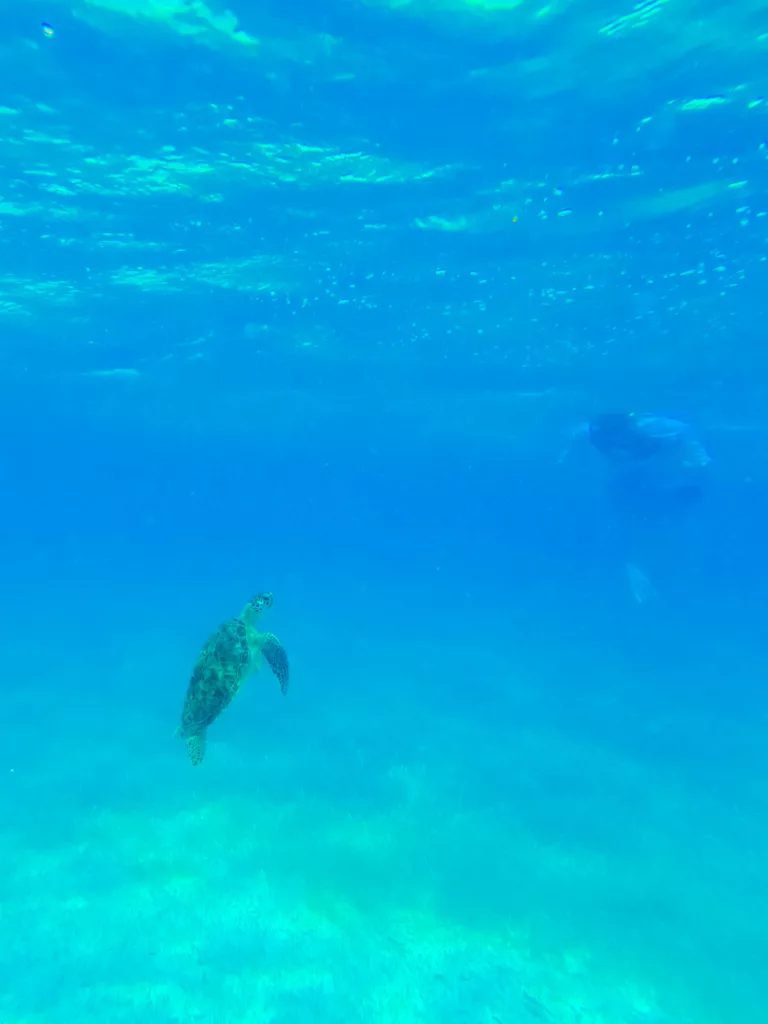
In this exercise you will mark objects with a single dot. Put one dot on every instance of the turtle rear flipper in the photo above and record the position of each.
(196, 747)
(277, 659)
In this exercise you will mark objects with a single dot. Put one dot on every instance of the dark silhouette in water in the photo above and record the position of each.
(656, 464)
(656, 472)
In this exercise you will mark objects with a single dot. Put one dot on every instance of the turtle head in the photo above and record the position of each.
(256, 605)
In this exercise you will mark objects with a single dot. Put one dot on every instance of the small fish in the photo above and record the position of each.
(48, 30)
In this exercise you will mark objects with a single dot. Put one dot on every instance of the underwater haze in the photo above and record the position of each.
(326, 298)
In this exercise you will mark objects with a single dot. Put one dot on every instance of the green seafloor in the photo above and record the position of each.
(371, 851)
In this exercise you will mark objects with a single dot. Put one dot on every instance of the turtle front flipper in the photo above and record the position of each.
(277, 659)
(196, 747)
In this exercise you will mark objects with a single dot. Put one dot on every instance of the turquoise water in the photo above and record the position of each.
(312, 299)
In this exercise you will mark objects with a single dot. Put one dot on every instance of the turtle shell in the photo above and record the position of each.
(219, 671)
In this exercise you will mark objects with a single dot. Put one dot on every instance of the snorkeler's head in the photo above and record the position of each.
(618, 436)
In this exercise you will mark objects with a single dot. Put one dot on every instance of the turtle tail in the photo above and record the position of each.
(196, 747)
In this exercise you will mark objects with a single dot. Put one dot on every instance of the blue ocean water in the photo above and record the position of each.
(312, 298)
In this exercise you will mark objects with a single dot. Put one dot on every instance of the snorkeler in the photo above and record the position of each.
(657, 468)
(654, 459)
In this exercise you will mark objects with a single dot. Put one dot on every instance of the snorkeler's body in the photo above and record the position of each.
(654, 460)
(657, 467)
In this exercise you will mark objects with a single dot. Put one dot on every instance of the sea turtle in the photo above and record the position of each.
(228, 657)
